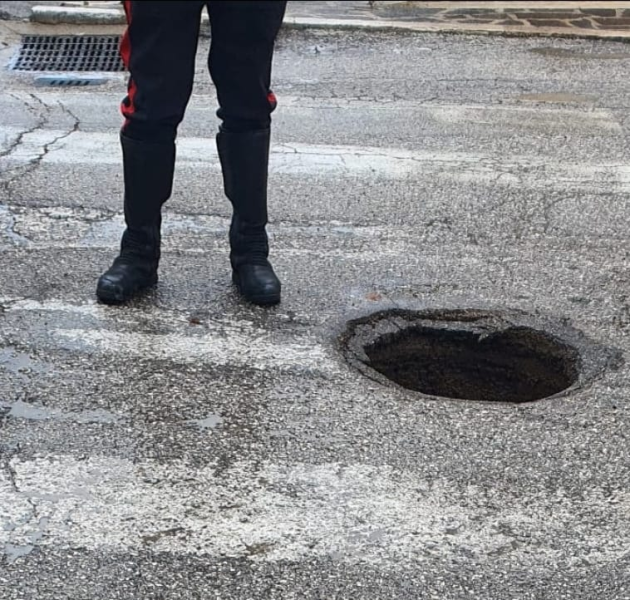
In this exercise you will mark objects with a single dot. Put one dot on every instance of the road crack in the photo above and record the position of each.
(41, 122)
(13, 477)
(20, 171)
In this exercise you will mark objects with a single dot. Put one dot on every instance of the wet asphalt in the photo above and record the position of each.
(191, 446)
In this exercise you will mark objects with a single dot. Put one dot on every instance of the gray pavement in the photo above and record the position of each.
(591, 19)
(349, 9)
(21, 9)
(190, 446)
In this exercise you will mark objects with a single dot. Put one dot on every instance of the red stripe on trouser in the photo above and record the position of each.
(273, 101)
(127, 107)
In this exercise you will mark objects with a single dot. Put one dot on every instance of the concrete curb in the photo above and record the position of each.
(58, 15)
(65, 15)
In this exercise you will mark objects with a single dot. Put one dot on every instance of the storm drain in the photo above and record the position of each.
(472, 355)
(69, 53)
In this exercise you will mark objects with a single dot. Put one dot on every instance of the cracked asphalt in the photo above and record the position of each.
(191, 446)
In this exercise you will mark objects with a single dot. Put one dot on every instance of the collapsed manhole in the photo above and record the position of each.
(69, 53)
(473, 355)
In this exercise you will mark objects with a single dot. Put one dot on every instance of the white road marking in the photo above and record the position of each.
(220, 342)
(273, 512)
(82, 148)
(255, 350)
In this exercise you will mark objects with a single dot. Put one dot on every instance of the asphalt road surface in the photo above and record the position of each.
(190, 446)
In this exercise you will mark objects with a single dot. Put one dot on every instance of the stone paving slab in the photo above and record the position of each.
(535, 15)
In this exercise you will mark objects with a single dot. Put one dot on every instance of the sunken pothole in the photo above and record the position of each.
(514, 365)
(474, 355)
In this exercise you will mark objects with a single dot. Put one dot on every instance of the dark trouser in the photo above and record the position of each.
(159, 49)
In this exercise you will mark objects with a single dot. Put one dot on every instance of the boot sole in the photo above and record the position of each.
(260, 300)
(114, 297)
(263, 300)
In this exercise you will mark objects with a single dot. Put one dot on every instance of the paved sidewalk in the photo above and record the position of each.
(610, 20)
(561, 15)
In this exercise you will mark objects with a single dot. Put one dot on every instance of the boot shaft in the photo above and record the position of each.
(148, 171)
(244, 160)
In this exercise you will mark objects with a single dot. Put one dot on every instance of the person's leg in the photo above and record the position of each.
(241, 53)
(158, 49)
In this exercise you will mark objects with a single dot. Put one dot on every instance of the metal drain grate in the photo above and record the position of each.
(69, 53)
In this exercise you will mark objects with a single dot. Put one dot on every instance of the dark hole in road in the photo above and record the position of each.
(69, 53)
(517, 365)
(463, 355)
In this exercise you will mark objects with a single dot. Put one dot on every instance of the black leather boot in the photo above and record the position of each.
(244, 161)
(148, 171)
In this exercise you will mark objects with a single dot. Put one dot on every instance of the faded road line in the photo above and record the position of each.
(81, 148)
(275, 512)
